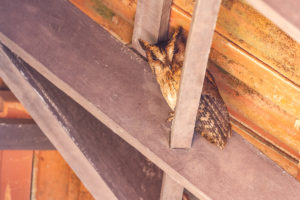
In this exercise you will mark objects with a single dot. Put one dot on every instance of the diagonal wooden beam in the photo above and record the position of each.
(105, 163)
(194, 68)
(26, 89)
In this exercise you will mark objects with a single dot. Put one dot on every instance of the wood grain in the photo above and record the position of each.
(273, 123)
(10, 107)
(151, 22)
(16, 171)
(54, 179)
(106, 14)
(193, 72)
(86, 144)
(132, 107)
(170, 189)
(276, 116)
(242, 25)
(284, 160)
(285, 15)
(20, 134)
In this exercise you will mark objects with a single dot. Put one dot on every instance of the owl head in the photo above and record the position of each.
(166, 60)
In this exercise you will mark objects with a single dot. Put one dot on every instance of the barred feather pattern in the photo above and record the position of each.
(166, 60)
(212, 121)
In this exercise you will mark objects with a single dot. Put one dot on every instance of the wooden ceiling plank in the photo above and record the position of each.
(284, 14)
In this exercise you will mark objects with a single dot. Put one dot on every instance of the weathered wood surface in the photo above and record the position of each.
(151, 22)
(107, 165)
(170, 189)
(53, 178)
(193, 72)
(16, 172)
(283, 14)
(23, 135)
(123, 94)
(3, 86)
(247, 28)
(247, 83)
(114, 15)
(283, 159)
(10, 107)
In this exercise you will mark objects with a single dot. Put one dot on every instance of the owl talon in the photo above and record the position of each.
(171, 116)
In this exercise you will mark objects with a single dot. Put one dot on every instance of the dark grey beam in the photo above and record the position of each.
(22, 134)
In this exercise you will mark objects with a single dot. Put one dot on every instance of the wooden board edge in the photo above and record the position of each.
(276, 18)
(107, 121)
(170, 189)
(48, 123)
(193, 72)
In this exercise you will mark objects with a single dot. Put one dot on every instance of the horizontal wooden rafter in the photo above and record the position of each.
(22, 134)
(77, 57)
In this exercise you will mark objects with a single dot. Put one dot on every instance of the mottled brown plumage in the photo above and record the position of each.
(166, 61)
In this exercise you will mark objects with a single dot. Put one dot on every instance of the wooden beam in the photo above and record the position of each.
(15, 174)
(122, 93)
(285, 15)
(194, 68)
(298, 176)
(99, 157)
(22, 134)
(170, 189)
(151, 22)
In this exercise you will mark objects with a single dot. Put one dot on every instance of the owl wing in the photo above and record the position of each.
(213, 121)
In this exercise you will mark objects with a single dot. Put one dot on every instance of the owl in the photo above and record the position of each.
(166, 61)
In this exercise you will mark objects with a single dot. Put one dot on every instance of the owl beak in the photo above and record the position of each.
(144, 44)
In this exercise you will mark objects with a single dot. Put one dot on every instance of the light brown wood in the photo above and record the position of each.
(170, 189)
(194, 68)
(151, 22)
(123, 94)
(15, 174)
(284, 14)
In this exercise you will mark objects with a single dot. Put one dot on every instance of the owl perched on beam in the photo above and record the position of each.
(166, 61)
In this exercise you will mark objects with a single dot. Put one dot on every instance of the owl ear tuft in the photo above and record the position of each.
(144, 44)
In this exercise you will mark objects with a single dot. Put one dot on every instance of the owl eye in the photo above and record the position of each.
(176, 49)
(153, 56)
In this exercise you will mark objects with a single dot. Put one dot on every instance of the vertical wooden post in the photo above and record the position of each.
(194, 68)
(151, 22)
(170, 190)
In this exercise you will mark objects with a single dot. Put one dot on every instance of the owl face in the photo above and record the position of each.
(166, 60)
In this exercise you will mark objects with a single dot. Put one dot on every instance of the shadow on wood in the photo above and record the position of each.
(126, 172)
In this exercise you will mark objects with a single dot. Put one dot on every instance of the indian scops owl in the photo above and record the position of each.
(166, 61)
